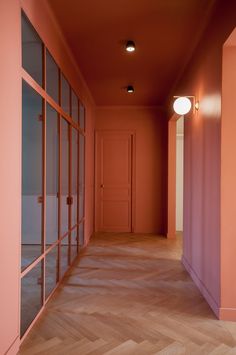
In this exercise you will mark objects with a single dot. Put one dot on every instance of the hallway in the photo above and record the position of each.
(129, 294)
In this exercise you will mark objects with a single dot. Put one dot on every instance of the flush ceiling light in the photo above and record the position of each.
(130, 46)
(183, 104)
(130, 89)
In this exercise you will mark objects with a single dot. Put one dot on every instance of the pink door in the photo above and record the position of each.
(114, 181)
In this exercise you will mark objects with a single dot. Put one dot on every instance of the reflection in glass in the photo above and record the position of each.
(31, 176)
(64, 175)
(81, 115)
(74, 175)
(52, 76)
(51, 176)
(64, 256)
(32, 51)
(51, 271)
(65, 95)
(74, 107)
(31, 296)
(74, 248)
(81, 176)
(81, 234)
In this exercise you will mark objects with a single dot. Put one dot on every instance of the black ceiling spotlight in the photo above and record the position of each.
(130, 46)
(130, 89)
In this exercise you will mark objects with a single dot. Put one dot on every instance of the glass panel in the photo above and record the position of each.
(74, 107)
(81, 234)
(65, 95)
(74, 176)
(32, 51)
(81, 115)
(64, 175)
(31, 175)
(81, 177)
(51, 176)
(51, 271)
(52, 77)
(31, 296)
(74, 248)
(64, 256)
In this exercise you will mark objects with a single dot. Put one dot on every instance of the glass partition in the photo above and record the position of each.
(81, 176)
(52, 77)
(64, 256)
(74, 107)
(52, 175)
(51, 275)
(31, 296)
(81, 234)
(65, 95)
(32, 51)
(74, 176)
(52, 160)
(81, 115)
(74, 244)
(64, 177)
(32, 125)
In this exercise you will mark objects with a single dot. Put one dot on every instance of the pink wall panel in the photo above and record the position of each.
(150, 129)
(202, 154)
(10, 187)
(228, 190)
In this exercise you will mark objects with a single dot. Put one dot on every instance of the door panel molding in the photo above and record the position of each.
(121, 192)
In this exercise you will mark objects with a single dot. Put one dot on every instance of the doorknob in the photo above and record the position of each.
(102, 186)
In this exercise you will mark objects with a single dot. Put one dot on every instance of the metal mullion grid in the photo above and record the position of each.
(47, 99)
(29, 80)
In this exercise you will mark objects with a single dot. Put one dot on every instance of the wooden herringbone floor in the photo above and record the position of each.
(129, 294)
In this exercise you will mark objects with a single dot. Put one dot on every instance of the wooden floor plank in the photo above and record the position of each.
(129, 294)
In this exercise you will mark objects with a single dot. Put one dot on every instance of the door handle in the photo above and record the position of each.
(102, 186)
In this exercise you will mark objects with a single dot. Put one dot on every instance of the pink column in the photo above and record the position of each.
(10, 165)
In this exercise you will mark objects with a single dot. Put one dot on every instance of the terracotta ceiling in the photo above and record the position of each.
(165, 33)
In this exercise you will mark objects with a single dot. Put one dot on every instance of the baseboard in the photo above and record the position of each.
(14, 348)
(202, 288)
(171, 236)
(228, 314)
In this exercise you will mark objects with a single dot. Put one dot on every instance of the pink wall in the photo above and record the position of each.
(228, 178)
(202, 154)
(150, 128)
(10, 187)
(10, 141)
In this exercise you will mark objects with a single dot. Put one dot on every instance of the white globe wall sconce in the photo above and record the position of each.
(183, 104)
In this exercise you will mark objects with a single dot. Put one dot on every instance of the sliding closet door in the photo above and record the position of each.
(52, 199)
(74, 193)
(32, 173)
(32, 205)
(53, 186)
(64, 230)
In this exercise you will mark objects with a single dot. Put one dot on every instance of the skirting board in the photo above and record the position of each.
(202, 288)
(228, 314)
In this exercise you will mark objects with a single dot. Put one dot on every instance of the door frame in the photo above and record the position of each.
(133, 175)
(171, 203)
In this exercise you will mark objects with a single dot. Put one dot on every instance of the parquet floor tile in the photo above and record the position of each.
(129, 295)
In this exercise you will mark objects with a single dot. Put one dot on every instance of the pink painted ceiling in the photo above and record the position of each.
(165, 32)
